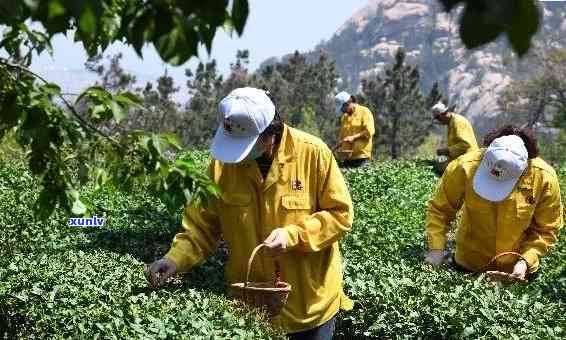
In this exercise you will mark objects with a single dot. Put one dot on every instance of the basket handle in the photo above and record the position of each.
(507, 253)
(337, 146)
(251, 260)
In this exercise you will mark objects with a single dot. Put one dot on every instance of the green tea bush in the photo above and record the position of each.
(58, 281)
(398, 296)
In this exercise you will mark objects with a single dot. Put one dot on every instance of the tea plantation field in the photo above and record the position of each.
(58, 281)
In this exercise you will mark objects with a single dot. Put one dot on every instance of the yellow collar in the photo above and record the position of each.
(286, 150)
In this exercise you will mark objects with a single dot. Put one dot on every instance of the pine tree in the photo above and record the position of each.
(112, 77)
(200, 119)
(239, 75)
(205, 88)
(396, 99)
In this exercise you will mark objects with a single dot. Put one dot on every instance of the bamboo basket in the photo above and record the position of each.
(343, 155)
(496, 275)
(272, 296)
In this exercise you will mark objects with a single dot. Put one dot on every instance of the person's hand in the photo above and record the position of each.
(435, 257)
(442, 152)
(161, 270)
(348, 139)
(276, 242)
(520, 270)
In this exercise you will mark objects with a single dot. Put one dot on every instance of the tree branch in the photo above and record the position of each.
(82, 121)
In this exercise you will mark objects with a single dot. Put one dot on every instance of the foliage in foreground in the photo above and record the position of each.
(54, 134)
(62, 282)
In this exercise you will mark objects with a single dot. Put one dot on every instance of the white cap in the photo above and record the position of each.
(244, 114)
(439, 108)
(341, 99)
(502, 165)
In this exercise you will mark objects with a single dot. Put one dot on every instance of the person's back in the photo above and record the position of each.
(461, 138)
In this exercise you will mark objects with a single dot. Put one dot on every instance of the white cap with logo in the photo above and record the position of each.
(341, 99)
(244, 114)
(439, 108)
(502, 165)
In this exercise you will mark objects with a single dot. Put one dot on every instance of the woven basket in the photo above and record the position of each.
(496, 275)
(344, 154)
(271, 296)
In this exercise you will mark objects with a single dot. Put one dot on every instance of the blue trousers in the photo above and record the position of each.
(322, 332)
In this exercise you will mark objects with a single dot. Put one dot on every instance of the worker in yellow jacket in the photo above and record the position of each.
(280, 187)
(460, 139)
(510, 201)
(356, 131)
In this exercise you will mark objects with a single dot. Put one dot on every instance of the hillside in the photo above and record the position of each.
(367, 41)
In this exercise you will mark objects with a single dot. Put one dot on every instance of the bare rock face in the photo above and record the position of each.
(367, 42)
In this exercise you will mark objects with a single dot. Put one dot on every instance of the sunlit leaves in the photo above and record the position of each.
(174, 27)
(65, 147)
(104, 105)
(78, 207)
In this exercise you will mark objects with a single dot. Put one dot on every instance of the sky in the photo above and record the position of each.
(274, 28)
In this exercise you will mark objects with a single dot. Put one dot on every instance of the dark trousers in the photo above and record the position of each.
(354, 163)
(322, 332)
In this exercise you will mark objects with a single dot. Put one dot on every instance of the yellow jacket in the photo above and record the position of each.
(361, 120)
(461, 138)
(306, 194)
(526, 222)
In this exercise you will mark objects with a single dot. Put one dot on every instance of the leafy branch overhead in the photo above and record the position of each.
(483, 21)
(65, 146)
(174, 27)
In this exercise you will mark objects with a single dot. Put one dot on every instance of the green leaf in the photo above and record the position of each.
(475, 30)
(139, 28)
(117, 111)
(73, 194)
(9, 113)
(55, 9)
(129, 99)
(240, 12)
(51, 89)
(78, 207)
(172, 139)
(180, 44)
(524, 25)
(87, 20)
(188, 195)
(95, 92)
(157, 144)
(96, 111)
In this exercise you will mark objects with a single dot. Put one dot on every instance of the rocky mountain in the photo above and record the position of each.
(367, 42)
